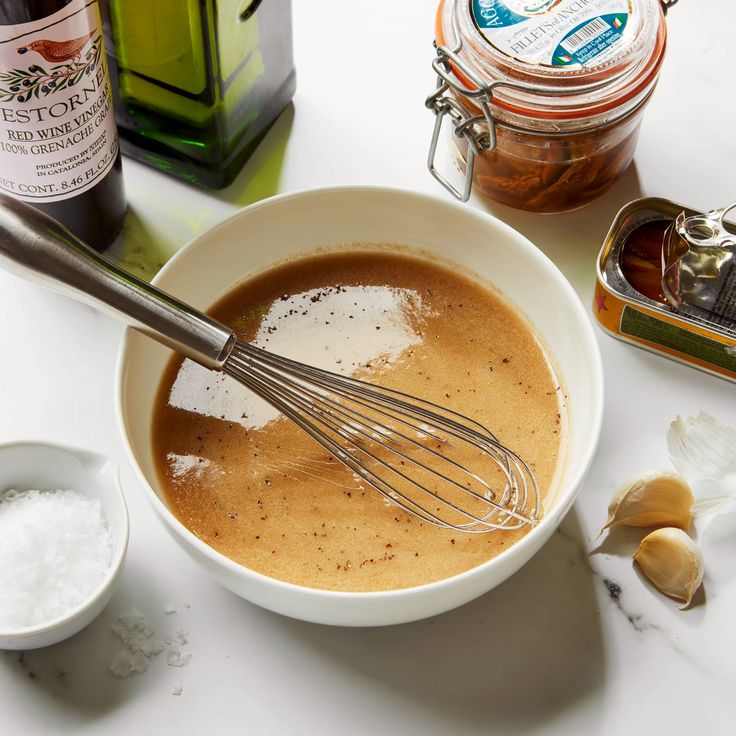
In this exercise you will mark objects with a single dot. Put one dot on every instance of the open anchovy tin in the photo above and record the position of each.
(635, 303)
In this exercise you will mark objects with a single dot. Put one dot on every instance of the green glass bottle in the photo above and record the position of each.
(198, 82)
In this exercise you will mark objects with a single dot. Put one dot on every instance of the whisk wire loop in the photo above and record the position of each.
(296, 412)
(365, 426)
(330, 415)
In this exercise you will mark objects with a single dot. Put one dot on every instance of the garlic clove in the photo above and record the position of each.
(654, 499)
(672, 562)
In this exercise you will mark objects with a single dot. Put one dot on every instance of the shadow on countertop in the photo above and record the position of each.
(528, 653)
(69, 683)
(572, 239)
(148, 240)
(514, 659)
(260, 177)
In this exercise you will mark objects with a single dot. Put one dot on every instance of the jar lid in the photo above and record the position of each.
(562, 59)
(562, 34)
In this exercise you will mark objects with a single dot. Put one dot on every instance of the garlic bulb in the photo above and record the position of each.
(656, 498)
(672, 562)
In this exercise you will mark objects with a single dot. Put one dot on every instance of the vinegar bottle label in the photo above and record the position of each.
(57, 125)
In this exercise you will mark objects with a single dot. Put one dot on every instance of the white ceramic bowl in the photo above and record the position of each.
(36, 466)
(283, 226)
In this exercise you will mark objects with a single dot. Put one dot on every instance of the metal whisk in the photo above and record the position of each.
(433, 463)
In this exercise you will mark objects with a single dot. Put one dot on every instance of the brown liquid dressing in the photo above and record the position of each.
(256, 488)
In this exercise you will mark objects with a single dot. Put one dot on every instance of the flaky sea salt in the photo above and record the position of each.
(175, 657)
(55, 550)
(142, 646)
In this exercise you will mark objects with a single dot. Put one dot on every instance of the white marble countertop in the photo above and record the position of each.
(574, 643)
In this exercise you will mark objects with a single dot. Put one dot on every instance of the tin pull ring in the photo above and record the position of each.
(708, 230)
(699, 266)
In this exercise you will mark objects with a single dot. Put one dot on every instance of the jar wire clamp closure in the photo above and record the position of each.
(545, 103)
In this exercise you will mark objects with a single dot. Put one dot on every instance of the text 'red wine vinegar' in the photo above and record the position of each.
(59, 147)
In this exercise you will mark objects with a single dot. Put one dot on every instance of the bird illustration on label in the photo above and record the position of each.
(72, 65)
(58, 51)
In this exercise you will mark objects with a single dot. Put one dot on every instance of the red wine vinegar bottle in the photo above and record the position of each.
(59, 147)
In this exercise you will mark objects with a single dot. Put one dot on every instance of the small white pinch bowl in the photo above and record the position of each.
(288, 225)
(43, 467)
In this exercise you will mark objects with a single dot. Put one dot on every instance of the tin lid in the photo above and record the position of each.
(699, 266)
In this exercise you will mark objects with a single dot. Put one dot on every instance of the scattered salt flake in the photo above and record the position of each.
(142, 646)
(123, 633)
(181, 636)
(151, 648)
(132, 619)
(127, 663)
(131, 628)
(177, 690)
(175, 657)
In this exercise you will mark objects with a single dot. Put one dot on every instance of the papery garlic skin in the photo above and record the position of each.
(704, 452)
(653, 499)
(703, 448)
(673, 563)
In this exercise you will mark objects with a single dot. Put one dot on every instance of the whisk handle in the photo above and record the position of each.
(40, 249)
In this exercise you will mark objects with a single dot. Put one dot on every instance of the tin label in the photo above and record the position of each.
(725, 302)
(556, 32)
(652, 330)
(57, 126)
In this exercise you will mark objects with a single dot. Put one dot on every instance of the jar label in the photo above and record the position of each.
(555, 32)
(57, 125)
